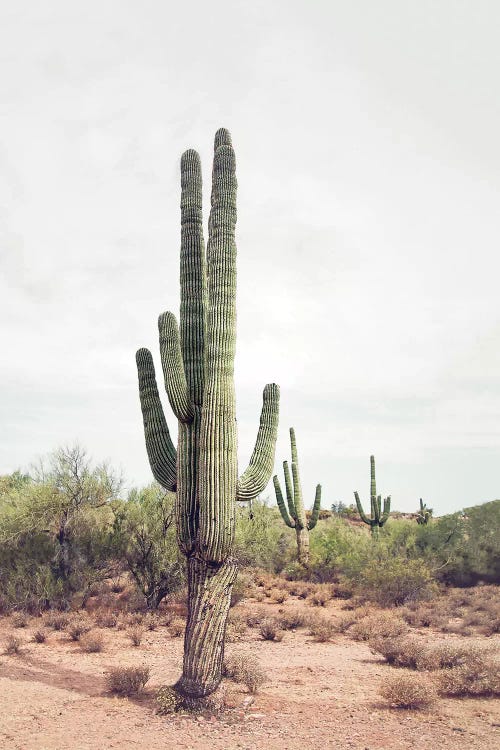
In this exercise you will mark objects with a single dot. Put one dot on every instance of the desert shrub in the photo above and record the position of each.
(239, 590)
(378, 624)
(117, 586)
(176, 627)
(245, 669)
(320, 595)
(39, 636)
(408, 691)
(106, 619)
(259, 595)
(262, 541)
(270, 630)
(57, 620)
(279, 595)
(77, 627)
(442, 656)
(168, 701)
(401, 652)
(321, 628)
(91, 642)
(144, 537)
(394, 581)
(136, 634)
(127, 680)
(19, 620)
(255, 617)
(292, 619)
(13, 645)
(479, 674)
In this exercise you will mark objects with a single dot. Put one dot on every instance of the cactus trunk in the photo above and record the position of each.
(198, 366)
(378, 516)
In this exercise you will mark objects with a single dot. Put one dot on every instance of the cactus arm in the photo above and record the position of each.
(315, 511)
(173, 368)
(218, 471)
(293, 445)
(281, 503)
(387, 510)
(289, 491)
(255, 478)
(193, 277)
(361, 512)
(373, 483)
(160, 449)
(300, 513)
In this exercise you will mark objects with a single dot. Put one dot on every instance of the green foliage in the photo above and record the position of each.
(144, 537)
(261, 541)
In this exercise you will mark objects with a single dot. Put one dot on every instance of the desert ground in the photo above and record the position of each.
(55, 696)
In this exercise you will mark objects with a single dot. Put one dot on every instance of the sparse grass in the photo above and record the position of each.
(152, 621)
(13, 645)
(56, 620)
(127, 680)
(322, 629)
(292, 619)
(91, 642)
(320, 596)
(136, 634)
(270, 630)
(408, 691)
(106, 619)
(278, 595)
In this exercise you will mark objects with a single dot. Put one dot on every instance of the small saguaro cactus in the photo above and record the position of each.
(424, 514)
(198, 365)
(378, 516)
(295, 516)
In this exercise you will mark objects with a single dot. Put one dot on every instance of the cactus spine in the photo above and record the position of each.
(198, 367)
(378, 516)
(295, 516)
(424, 514)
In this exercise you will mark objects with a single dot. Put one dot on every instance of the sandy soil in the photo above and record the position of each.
(53, 697)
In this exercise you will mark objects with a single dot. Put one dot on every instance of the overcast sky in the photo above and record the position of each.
(368, 158)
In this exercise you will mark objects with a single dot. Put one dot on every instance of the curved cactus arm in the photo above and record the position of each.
(289, 491)
(361, 512)
(255, 478)
(173, 368)
(281, 503)
(387, 509)
(315, 511)
(161, 452)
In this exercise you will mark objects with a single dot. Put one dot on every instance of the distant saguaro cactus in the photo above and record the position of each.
(424, 515)
(295, 516)
(198, 366)
(378, 516)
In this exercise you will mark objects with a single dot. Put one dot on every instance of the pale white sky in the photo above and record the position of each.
(366, 137)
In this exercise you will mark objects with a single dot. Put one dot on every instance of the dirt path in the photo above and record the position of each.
(319, 695)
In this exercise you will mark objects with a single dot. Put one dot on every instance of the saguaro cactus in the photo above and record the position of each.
(424, 514)
(198, 366)
(378, 516)
(295, 516)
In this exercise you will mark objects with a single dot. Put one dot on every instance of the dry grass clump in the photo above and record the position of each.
(321, 628)
(479, 674)
(378, 625)
(305, 590)
(443, 656)
(254, 618)
(19, 619)
(151, 621)
(401, 652)
(408, 691)
(270, 630)
(91, 642)
(127, 680)
(56, 620)
(40, 636)
(136, 634)
(278, 595)
(245, 669)
(423, 615)
(236, 626)
(78, 626)
(320, 595)
(13, 645)
(176, 627)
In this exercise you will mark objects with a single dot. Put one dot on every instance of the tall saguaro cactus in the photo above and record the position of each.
(295, 516)
(424, 514)
(378, 516)
(198, 366)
